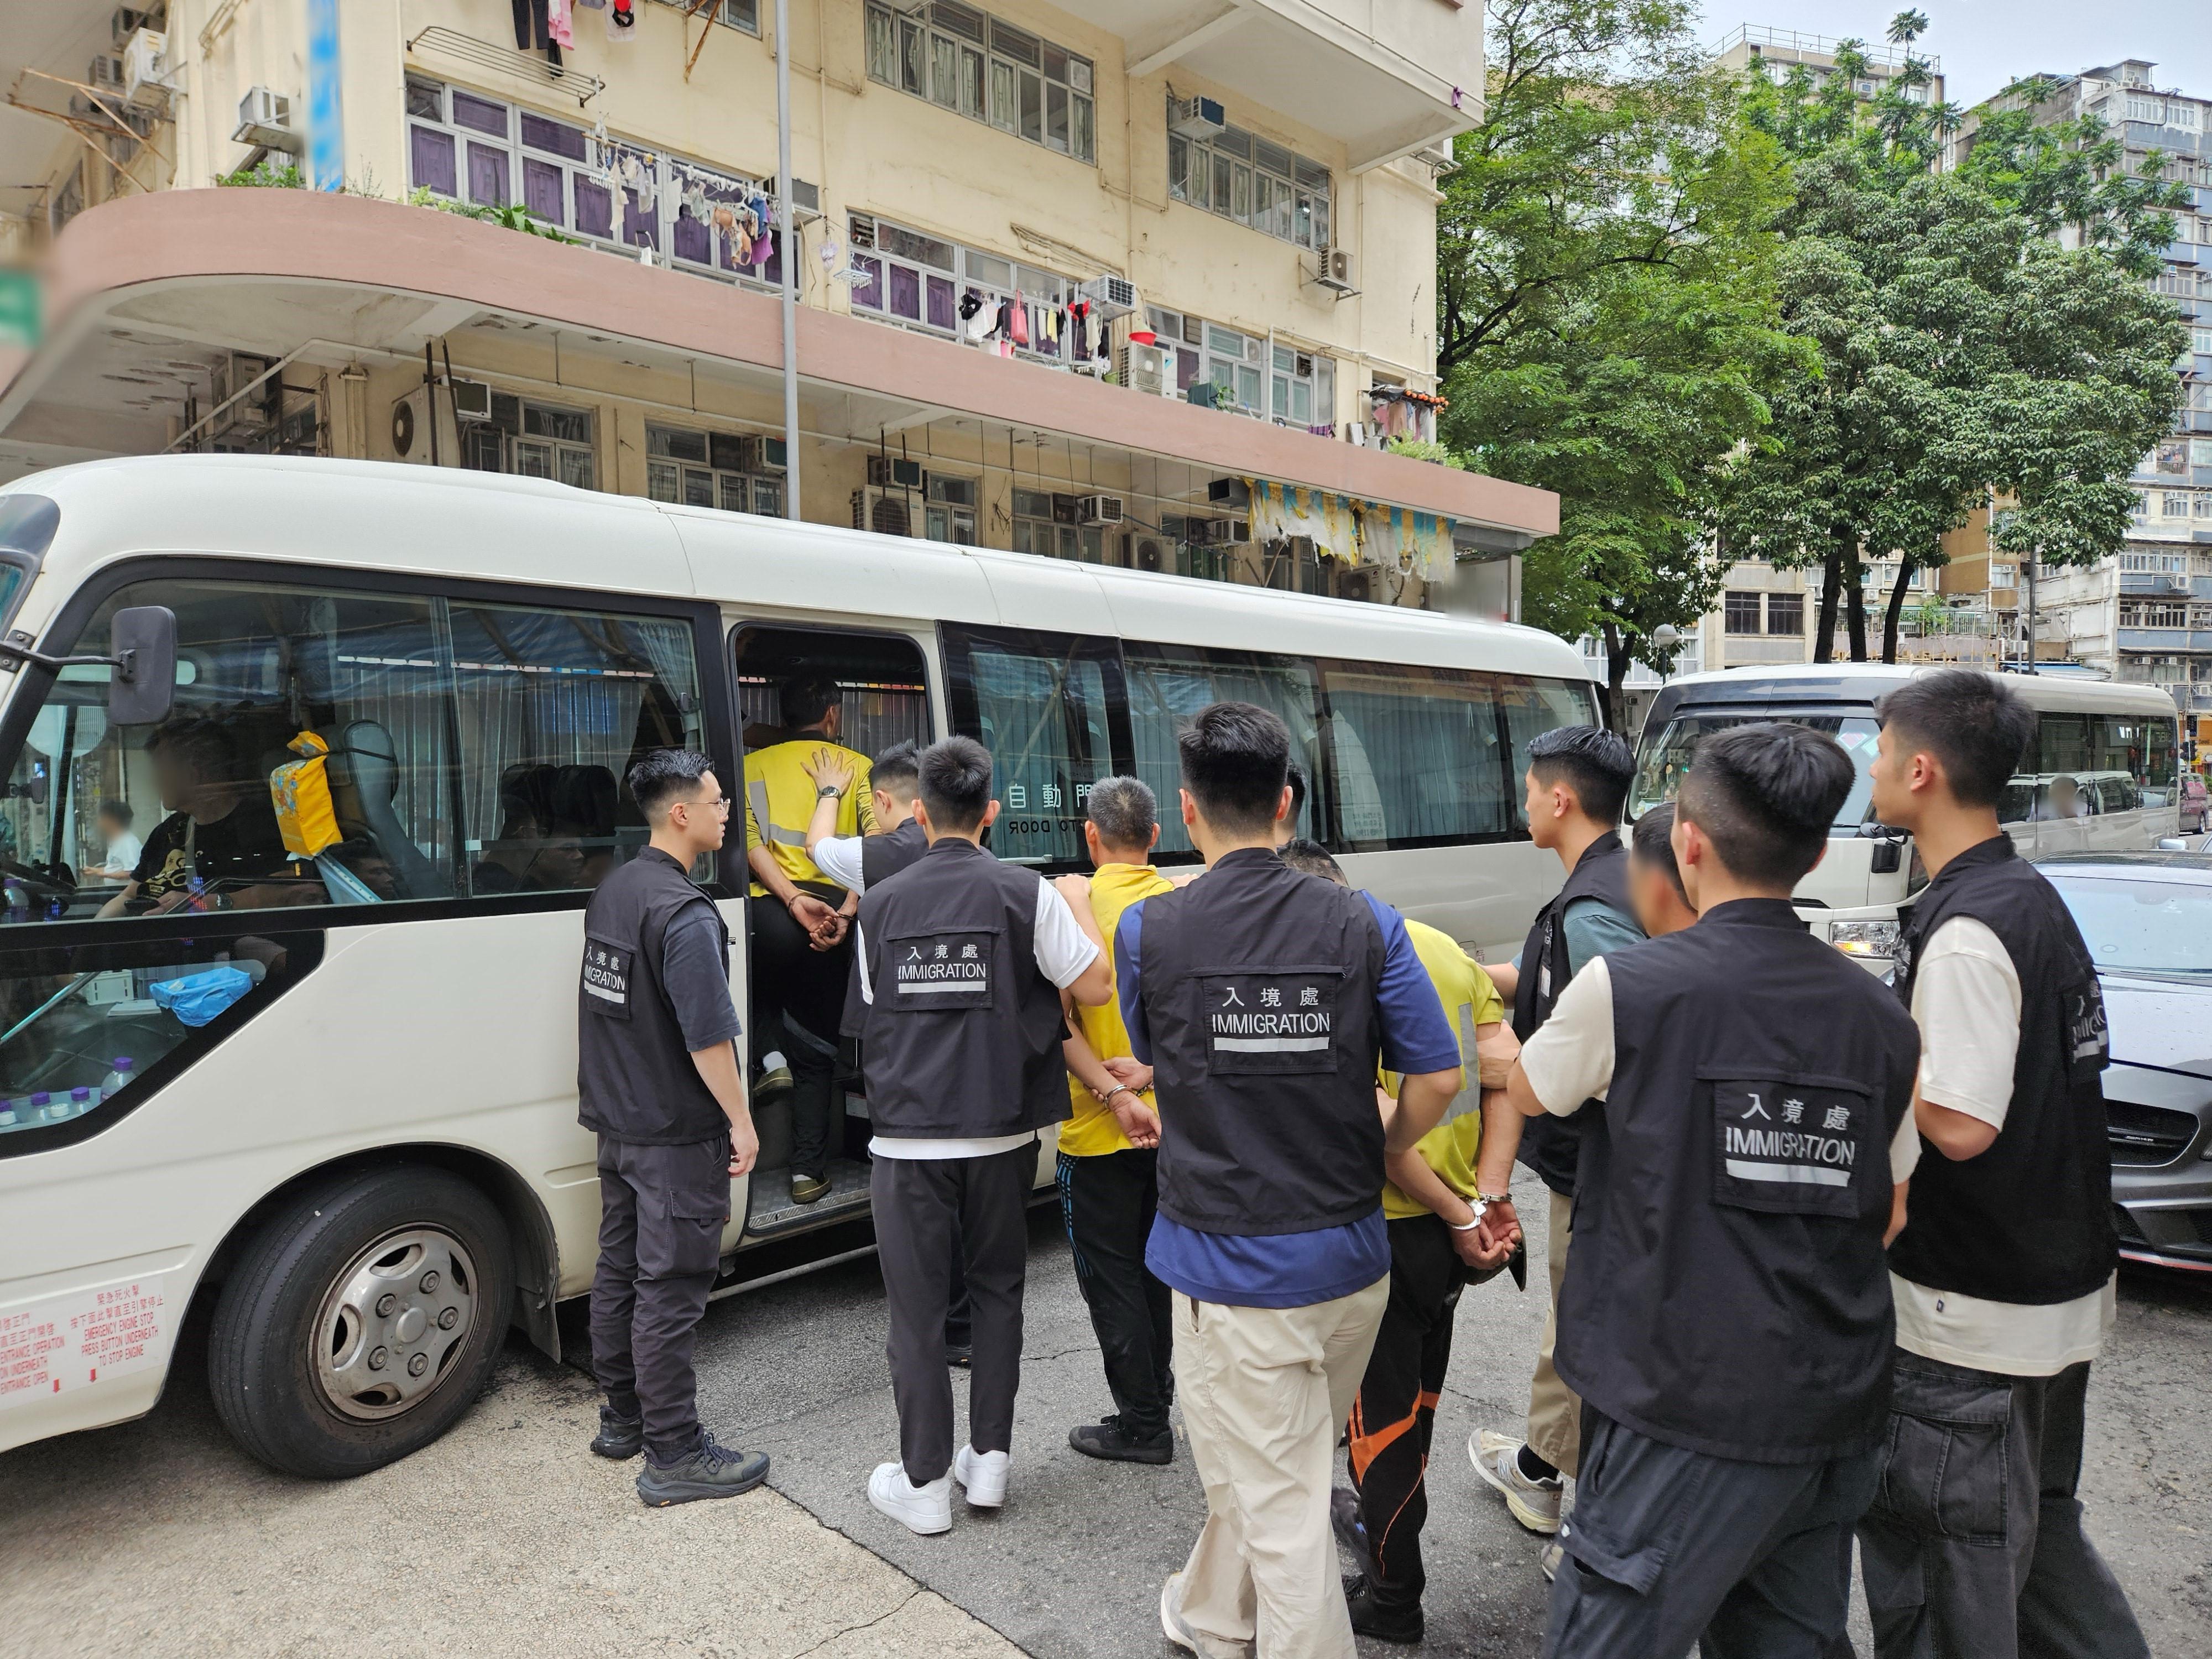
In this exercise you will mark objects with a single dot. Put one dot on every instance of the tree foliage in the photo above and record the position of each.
(1607, 320)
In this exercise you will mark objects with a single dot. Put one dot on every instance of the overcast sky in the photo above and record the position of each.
(1983, 44)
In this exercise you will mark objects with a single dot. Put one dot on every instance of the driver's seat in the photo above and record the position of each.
(365, 768)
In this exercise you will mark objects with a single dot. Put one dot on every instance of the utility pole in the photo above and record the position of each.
(789, 248)
(2033, 558)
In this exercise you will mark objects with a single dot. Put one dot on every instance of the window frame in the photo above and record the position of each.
(1028, 83)
(1207, 174)
(716, 713)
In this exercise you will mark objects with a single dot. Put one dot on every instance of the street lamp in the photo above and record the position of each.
(1668, 639)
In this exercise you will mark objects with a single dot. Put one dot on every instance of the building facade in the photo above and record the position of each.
(1121, 283)
(1750, 49)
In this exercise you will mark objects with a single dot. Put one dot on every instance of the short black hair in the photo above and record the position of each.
(806, 700)
(1593, 763)
(897, 771)
(1653, 841)
(1295, 775)
(661, 775)
(1310, 858)
(1974, 724)
(113, 808)
(1764, 795)
(954, 783)
(1236, 757)
(201, 742)
(1124, 810)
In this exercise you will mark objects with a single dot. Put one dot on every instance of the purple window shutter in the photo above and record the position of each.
(595, 207)
(639, 229)
(542, 192)
(479, 113)
(940, 303)
(693, 240)
(906, 292)
(431, 155)
(487, 176)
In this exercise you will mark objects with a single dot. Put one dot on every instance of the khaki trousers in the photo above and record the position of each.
(1555, 1415)
(1265, 1392)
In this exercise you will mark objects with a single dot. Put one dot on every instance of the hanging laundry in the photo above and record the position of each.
(592, 5)
(622, 20)
(1002, 326)
(763, 248)
(970, 303)
(533, 27)
(1019, 333)
(1079, 344)
(725, 219)
(741, 246)
(560, 23)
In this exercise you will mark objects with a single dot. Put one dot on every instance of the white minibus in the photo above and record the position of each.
(333, 1099)
(2101, 776)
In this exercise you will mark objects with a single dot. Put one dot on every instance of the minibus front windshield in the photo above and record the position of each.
(1666, 759)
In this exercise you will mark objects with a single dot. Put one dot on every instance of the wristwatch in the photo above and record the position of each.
(821, 790)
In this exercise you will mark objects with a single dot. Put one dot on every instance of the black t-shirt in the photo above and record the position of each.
(240, 847)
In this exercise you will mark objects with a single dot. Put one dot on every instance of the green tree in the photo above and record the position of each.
(1606, 324)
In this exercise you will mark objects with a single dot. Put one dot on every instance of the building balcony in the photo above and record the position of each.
(1384, 77)
(2166, 639)
(175, 315)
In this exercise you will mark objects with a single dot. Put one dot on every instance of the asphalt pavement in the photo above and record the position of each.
(161, 1538)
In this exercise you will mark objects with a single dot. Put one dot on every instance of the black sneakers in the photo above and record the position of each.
(618, 1437)
(1112, 1441)
(1402, 1625)
(712, 1471)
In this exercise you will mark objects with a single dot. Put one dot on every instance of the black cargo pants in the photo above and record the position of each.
(661, 1214)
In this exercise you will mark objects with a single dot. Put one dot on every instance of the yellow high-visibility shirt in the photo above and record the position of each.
(780, 803)
(1470, 1000)
(1092, 1130)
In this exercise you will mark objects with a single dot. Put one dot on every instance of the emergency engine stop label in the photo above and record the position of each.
(1276, 1021)
(942, 970)
(1788, 1147)
(60, 1343)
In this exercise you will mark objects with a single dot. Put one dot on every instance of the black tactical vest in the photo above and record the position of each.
(962, 1037)
(1259, 986)
(1727, 1292)
(2029, 1220)
(635, 1079)
(1550, 1146)
(882, 857)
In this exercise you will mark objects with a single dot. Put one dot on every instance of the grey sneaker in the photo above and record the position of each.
(619, 1437)
(712, 1471)
(1554, 1552)
(1497, 1458)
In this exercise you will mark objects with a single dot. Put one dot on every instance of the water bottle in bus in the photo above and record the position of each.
(82, 1100)
(42, 1106)
(120, 1078)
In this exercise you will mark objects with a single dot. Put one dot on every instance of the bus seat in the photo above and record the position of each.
(368, 761)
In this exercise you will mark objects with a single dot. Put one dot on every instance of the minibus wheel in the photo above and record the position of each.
(362, 1320)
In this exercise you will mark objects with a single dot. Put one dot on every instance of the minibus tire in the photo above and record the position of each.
(271, 1368)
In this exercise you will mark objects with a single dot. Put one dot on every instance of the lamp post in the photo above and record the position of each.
(790, 262)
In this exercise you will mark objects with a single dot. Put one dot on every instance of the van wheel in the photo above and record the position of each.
(362, 1322)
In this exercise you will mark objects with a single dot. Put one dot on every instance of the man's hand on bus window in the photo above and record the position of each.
(830, 769)
(1128, 1070)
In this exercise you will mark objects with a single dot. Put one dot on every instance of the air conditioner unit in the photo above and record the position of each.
(886, 512)
(1233, 493)
(769, 455)
(1199, 118)
(1143, 368)
(414, 437)
(1110, 297)
(264, 119)
(1336, 267)
(146, 69)
(1098, 509)
(1229, 532)
(126, 22)
(472, 400)
(106, 72)
(806, 198)
(1150, 554)
(893, 472)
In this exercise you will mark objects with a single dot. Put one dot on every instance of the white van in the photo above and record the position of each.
(2101, 776)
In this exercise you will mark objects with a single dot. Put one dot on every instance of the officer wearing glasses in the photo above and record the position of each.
(657, 1079)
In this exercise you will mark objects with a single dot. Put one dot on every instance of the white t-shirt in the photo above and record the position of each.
(1967, 1000)
(838, 857)
(125, 852)
(1570, 1060)
(1062, 951)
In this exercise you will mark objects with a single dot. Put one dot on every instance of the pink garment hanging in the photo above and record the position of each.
(560, 22)
(1021, 331)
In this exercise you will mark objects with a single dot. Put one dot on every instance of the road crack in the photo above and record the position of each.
(866, 1624)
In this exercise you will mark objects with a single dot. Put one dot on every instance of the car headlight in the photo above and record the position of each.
(1864, 939)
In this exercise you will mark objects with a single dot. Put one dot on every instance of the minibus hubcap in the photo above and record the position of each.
(394, 1322)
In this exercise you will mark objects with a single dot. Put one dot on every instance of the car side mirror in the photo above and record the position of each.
(143, 687)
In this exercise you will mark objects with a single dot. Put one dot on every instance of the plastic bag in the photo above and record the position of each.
(196, 998)
(300, 790)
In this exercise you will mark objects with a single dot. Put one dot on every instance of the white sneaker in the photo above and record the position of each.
(925, 1510)
(1496, 1459)
(983, 1475)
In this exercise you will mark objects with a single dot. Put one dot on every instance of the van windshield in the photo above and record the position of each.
(1664, 758)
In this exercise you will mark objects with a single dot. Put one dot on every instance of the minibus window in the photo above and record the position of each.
(1040, 703)
(1420, 755)
(1170, 683)
(1664, 759)
(1531, 707)
(467, 750)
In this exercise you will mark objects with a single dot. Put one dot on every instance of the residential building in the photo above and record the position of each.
(2145, 613)
(1116, 282)
(1774, 53)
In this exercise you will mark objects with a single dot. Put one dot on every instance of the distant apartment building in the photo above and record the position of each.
(1773, 53)
(1121, 283)
(2145, 614)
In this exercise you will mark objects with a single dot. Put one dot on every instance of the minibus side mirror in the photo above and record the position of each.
(144, 686)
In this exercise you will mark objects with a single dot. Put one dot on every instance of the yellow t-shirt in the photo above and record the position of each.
(780, 803)
(1092, 1130)
(1470, 1001)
